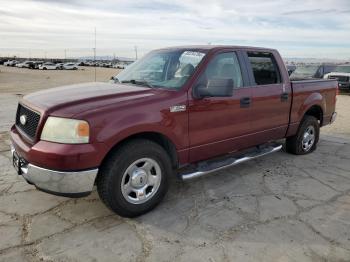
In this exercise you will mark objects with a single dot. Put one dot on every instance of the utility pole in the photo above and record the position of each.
(65, 54)
(95, 54)
(136, 52)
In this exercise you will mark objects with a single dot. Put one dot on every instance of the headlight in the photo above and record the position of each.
(64, 130)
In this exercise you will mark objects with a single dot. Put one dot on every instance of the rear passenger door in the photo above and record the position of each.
(271, 97)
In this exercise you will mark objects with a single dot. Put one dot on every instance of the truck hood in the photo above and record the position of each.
(338, 74)
(79, 95)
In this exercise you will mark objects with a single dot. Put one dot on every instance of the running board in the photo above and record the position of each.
(204, 169)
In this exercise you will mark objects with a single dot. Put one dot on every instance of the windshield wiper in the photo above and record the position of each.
(138, 82)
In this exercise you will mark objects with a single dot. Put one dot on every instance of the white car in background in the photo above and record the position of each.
(70, 66)
(342, 74)
(11, 63)
(60, 65)
(48, 66)
(25, 64)
(119, 66)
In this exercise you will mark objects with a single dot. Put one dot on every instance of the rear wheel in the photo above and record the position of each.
(305, 141)
(134, 179)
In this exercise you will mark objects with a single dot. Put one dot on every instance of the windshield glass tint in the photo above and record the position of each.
(342, 69)
(305, 71)
(165, 69)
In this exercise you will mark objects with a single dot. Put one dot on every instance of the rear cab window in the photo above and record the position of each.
(265, 68)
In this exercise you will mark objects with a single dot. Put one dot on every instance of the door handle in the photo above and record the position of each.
(284, 97)
(245, 101)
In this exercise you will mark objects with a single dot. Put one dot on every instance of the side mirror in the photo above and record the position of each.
(215, 88)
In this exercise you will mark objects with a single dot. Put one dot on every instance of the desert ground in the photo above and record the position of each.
(279, 207)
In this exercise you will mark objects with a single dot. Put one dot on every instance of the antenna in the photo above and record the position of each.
(95, 55)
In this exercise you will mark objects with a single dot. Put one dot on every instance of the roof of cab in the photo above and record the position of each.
(215, 47)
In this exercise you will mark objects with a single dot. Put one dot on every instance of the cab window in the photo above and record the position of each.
(265, 69)
(224, 66)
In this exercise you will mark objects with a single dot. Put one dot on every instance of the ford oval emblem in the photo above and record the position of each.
(23, 119)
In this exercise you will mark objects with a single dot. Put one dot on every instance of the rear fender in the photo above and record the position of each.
(314, 99)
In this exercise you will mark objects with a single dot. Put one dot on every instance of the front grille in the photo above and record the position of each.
(32, 120)
(339, 78)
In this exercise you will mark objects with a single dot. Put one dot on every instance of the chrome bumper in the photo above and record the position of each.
(70, 183)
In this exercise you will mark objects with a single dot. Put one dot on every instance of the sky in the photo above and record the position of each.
(49, 28)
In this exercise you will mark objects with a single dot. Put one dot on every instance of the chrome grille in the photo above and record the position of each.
(339, 78)
(32, 120)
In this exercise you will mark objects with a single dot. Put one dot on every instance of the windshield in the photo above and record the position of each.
(342, 69)
(305, 71)
(165, 69)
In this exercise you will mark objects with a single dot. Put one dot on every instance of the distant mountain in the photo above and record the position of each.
(108, 58)
(314, 60)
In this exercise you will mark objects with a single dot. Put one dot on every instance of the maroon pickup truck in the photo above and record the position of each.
(185, 111)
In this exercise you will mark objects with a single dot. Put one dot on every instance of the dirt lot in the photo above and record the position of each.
(277, 208)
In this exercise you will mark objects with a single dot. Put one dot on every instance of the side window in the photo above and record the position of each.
(319, 73)
(222, 67)
(265, 68)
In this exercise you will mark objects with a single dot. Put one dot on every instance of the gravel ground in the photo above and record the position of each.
(279, 207)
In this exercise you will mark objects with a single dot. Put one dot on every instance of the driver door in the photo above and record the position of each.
(217, 124)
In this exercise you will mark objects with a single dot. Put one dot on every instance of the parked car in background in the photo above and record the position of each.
(11, 63)
(36, 64)
(2, 61)
(119, 66)
(48, 66)
(291, 69)
(105, 64)
(311, 71)
(185, 111)
(70, 66)
(60, 65)
(25, 64)
(342, 74)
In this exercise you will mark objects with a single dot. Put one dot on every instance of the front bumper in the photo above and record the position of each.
(333, 117)
(66, 183)
(344, 85)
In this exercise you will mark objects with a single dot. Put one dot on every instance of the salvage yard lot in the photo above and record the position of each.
(278, 207)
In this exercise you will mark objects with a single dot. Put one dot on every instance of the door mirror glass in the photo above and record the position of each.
(219, 87)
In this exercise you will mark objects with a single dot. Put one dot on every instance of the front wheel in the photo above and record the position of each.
(134, 178)
(305, 141)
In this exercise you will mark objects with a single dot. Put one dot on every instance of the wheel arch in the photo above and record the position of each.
(156, 137)
(316, 111)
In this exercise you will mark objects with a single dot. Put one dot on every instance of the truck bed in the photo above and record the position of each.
(322, 90)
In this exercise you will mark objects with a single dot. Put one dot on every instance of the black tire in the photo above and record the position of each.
(294, 144)
(44, 68)
(109, 179)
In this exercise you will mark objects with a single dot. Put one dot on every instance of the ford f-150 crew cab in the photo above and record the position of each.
(187, 111)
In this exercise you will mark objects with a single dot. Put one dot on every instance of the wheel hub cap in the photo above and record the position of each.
(139, 178)
(308, 138)
(141, 181)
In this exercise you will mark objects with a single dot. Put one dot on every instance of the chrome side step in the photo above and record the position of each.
(202, 170)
